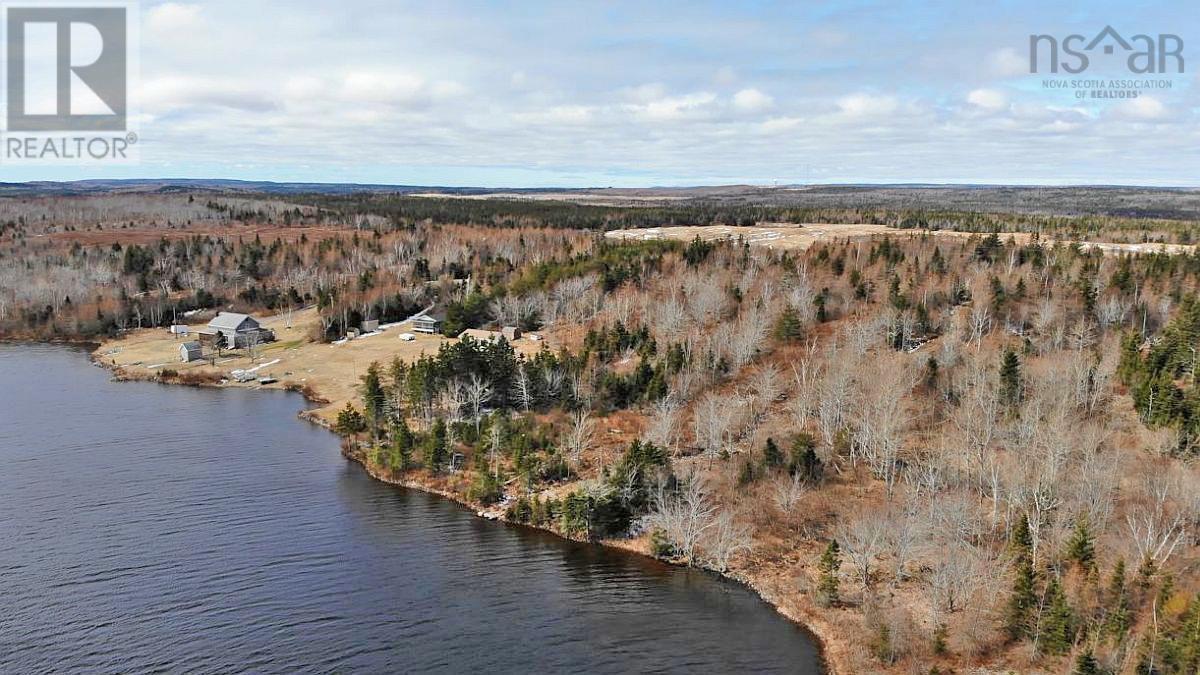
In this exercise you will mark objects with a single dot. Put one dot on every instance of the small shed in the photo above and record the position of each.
(179, 329)
(511, 333)
(190, 351)
(370, 325)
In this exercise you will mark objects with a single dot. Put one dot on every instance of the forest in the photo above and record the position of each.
(942, 455)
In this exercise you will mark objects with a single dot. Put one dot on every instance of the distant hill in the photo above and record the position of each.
(1128, 201)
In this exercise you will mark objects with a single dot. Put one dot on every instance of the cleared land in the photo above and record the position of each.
(789, 236)
(329, 371)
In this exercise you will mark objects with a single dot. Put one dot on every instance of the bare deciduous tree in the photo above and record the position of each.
(863, 536)
(711, 421)
(478, 392)
(522, 387)
(579, 436)
(663, 428)
(725, 539)
(788, 491)
(683, 515)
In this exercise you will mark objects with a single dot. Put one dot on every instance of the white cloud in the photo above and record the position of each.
(781, 124)
(394, 88)
(1008, 63)
(167, 94)
(867, 105)
(988, 99)
(676, 107)
(304, 88)
(172, 17)
(752, 100)
(382, 87)
(558, 115)
(645, 93)
(725, 76)
(1141, 108)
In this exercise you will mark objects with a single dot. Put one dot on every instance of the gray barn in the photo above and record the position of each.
(235, 330)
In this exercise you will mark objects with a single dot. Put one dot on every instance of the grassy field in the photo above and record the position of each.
(329, 371)
(789, 236)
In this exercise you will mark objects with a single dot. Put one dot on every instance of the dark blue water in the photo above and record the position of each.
(148, 528)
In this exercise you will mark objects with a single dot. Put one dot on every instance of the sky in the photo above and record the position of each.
(628, 94)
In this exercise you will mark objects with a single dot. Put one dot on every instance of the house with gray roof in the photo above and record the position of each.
(427, 322)
(236, 331)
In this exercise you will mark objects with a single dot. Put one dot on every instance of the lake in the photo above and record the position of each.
(154, 528)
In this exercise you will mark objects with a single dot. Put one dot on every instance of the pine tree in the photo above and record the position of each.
(402, 446)
(436, 447)
(1130, 364)
(788, 327)
(819, 302)
(1010, 378)
(1058, 622)
(373, 397)
(940, 634)
(350, 422)
(1022, 602)
(1118, 617)
(804, 460)
(1022, 538)
(1086, 664)
(827, 567)
(931, 373)
(1082, 548)
(772, 456)
(746, 473)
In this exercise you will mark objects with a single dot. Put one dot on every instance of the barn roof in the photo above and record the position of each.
(228, 321)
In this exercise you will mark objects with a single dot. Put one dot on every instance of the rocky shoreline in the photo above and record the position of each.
(807, 616)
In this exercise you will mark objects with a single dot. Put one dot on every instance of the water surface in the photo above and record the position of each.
(150, 528)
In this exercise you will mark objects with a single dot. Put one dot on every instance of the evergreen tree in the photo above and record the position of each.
(827, 568)
(819, 302)
(1130, 364)
(373, 398)
(1118, 617)
(1081, 549)
(772, 456)
(804, 460)
(402, 445)
(436, 447)
(788, 327)
(1023, 600)
(350, 421)
(1058, 622)
(1010, 378)
(398, 375)
(1022, 539)
(940, 634)
(931, 373)
(1086, 664)
(746, 473)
